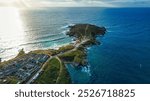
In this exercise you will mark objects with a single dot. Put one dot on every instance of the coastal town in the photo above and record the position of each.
(22, 68)
(31, 67)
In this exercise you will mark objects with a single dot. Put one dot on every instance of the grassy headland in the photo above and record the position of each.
(49, 64)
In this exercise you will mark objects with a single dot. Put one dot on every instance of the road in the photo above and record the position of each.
(60, 62)
(38, 72)
(55, 56)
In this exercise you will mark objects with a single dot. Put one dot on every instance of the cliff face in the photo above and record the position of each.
(85, 36)
(52, 69)
(86, 30)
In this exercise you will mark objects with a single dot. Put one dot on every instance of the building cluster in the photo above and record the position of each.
(23, 68)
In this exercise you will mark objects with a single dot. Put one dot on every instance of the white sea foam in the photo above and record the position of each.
(86, 69)
(67, 26)
(88, 48)
(65, 31)
(2, 50)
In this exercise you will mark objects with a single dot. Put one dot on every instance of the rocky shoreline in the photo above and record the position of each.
(17, 70)
(85, 36)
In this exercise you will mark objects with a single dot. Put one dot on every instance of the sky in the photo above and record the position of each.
(75, 3)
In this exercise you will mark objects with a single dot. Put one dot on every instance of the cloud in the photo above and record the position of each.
(78, 3)
(130, 3)
(100, 3)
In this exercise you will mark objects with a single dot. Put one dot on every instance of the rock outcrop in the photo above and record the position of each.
(86, 30)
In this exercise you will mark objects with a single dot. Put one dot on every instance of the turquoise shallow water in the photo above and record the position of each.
(123, 56)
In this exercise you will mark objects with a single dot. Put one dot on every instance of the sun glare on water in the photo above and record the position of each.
(12, 33)
(11, 29)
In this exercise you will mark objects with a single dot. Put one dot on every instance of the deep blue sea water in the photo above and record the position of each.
(123, 56)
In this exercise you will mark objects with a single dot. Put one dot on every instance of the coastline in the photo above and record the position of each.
(74, 53)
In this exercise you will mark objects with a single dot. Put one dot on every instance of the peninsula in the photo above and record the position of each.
(48, 66)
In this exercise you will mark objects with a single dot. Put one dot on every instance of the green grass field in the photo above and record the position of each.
(54, 72)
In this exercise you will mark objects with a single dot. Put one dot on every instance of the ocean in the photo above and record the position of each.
(122, 57)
